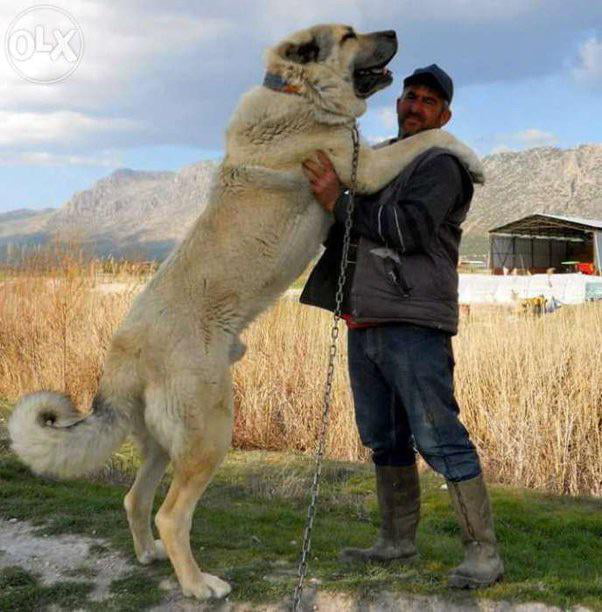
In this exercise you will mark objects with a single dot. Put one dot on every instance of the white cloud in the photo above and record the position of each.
(280, 18)
(500, 149)
(376, 139)
(22, 129)
(44, 158)
(121, 43)
(156, 66)
(525, 139)
(535, 138)
(387, 117)
(177, 69)
(589, 70)
(466, 11)
(378, 124)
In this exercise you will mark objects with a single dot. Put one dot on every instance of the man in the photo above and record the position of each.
(401, 307)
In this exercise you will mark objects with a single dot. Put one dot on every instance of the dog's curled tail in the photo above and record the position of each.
(54, 439)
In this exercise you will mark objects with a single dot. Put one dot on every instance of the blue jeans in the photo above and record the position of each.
(403, 391)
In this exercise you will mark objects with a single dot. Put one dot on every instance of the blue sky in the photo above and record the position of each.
(158, 80)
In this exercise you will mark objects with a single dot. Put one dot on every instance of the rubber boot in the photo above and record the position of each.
(398, 493)
(482, 565)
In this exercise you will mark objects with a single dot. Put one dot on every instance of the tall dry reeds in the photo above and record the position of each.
(56, 323)
(279, 386)
(530, 389)
(531, 394)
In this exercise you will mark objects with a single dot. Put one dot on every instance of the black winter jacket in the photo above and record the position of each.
(404, 254)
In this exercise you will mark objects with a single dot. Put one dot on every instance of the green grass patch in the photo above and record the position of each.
(20, 590)
(134, 592)
(248, 529)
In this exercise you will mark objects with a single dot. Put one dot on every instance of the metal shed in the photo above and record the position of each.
(539, 242)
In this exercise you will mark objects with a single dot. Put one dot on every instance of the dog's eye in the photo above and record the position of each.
(348, 35)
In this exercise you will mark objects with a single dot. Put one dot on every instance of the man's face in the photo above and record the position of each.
(419, 108)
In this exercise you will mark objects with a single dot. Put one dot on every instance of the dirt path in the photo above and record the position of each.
(387, 602)
(61, 558)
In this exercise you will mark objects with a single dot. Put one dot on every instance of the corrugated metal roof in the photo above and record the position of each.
(571, 222)
(594, 223)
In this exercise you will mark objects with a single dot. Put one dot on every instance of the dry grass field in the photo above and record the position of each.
(530, 388)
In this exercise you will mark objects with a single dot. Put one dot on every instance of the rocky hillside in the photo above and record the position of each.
(564, 182)
(144, 214)
(129, 213)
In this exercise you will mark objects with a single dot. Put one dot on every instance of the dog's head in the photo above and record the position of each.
(339, 65)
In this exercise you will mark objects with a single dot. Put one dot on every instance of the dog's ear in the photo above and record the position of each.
(302, 54)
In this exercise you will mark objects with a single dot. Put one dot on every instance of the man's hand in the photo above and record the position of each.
(324, 182)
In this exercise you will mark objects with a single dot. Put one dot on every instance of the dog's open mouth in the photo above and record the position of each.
(367, 81)
(370, 72)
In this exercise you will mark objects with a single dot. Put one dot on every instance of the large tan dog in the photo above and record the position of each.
(167, 373)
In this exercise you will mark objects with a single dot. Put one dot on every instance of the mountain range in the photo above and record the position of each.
(142, 215)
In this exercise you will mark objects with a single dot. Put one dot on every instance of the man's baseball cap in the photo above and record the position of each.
(434, 77)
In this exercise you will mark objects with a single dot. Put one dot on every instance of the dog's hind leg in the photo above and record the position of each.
(207, 439)
(174, 520)
(139, 502)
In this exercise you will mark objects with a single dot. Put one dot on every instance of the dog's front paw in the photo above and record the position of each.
(470, 160)
(208, 587)
(219, 587)
(473, 163)
(477, 171)
(445, 140)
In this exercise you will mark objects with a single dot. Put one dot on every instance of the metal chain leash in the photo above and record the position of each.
(334, 335)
